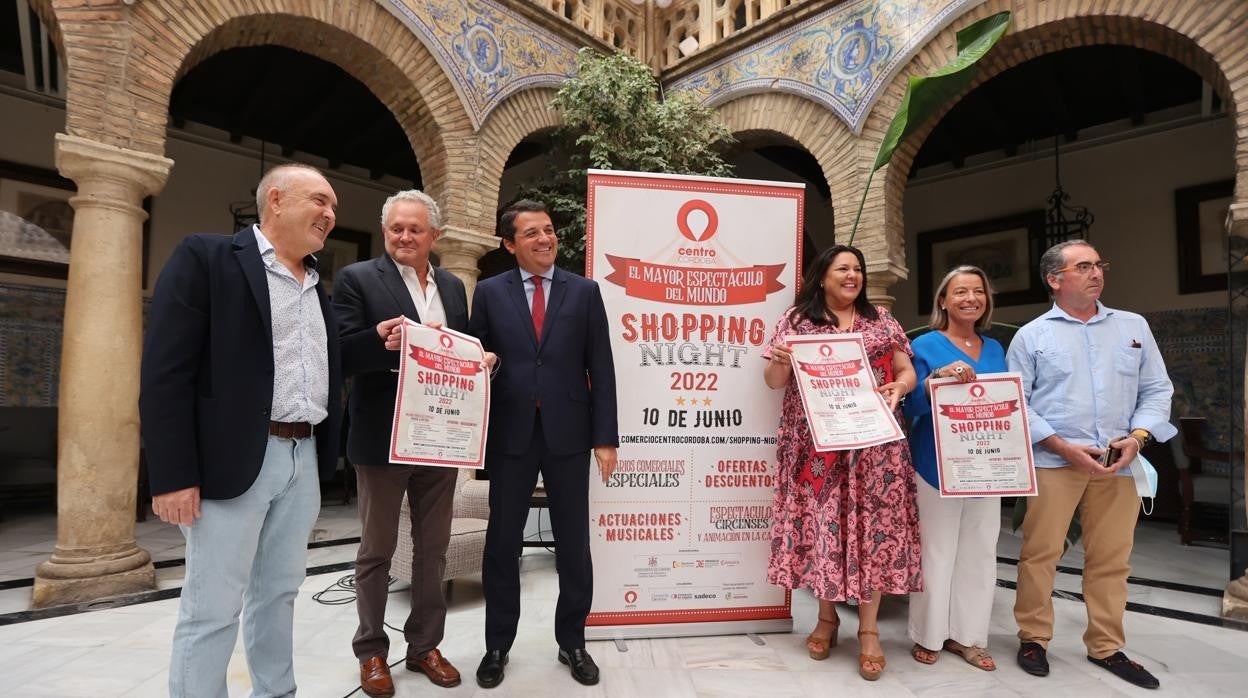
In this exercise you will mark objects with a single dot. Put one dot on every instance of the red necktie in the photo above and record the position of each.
(539, 306)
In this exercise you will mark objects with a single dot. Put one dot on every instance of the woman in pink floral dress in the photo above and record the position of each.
(846, 524)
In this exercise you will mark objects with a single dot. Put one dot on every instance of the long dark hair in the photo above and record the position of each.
(810, 303)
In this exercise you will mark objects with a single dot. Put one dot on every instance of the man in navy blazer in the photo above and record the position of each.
(552, 400)
(371, 299)
(240, 416)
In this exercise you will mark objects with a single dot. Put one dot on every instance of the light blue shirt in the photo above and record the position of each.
(548, 277)
(1091, 383)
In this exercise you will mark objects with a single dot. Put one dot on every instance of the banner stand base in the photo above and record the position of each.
(657, 630)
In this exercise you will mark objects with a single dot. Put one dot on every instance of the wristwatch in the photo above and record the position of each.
(1142, 436)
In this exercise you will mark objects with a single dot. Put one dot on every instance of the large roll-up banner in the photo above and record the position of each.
(694, 273)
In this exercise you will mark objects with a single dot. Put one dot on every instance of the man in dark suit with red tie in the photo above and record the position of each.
(553, 400)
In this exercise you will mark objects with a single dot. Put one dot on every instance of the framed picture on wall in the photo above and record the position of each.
(37, 222)
(1200, 234)
(343, 246)
(1005, 248)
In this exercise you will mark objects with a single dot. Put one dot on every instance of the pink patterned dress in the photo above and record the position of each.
(846, 523)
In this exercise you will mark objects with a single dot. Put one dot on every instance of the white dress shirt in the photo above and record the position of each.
(300, 354)
(428, 302)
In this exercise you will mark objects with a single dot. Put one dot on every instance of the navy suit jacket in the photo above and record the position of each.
(570, 372)
(366, 293)
(207, 375)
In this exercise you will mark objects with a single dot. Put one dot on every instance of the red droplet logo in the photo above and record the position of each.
(712, 220)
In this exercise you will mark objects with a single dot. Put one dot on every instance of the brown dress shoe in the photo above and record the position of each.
(435, 666)
(375, 678)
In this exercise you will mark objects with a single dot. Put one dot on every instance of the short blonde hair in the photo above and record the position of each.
(940, 316)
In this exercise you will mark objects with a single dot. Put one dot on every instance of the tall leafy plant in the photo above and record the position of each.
(926, 94)
(614, 119)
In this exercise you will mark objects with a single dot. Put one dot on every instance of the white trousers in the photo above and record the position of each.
(959, 538)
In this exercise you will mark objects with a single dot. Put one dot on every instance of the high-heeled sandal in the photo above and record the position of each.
(863, 671)
(820, 647)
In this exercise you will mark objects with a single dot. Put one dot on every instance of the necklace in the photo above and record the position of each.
(965, 342)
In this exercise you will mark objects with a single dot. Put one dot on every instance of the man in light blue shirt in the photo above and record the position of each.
(1096, 386)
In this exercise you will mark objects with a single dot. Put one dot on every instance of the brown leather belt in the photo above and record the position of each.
(290, 430)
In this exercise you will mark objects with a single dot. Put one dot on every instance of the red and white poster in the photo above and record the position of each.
(983, 442)
(442, 405)
(694, 273)
(843, 408)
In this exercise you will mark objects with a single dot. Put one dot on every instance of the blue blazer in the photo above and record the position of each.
(570, 371)
(366, 293)
(207, 374)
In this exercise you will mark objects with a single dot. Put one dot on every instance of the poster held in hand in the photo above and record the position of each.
(442, 405)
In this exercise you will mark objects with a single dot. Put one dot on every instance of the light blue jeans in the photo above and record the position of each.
(247, 554)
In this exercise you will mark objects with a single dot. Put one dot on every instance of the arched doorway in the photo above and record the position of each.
(245, 109)
(771, 156)
(1134, 130)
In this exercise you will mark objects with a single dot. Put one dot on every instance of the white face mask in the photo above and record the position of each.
(1145, 476)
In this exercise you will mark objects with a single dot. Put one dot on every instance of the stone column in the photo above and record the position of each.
(98, 439)
(458, 251)
(1235, 598)
(878, 283)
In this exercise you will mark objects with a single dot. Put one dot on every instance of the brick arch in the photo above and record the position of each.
(1204, 40)
(520, 116)
(123, 98)
(812, 127)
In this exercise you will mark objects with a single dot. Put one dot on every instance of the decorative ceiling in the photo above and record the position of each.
(842, 58)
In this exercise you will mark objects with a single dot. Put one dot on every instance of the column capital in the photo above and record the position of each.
(459, 249)
(83, 160)
(878, 283)
(461, 240)
(1237, 219)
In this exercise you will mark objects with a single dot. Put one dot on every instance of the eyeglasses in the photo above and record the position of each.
(1085, 267)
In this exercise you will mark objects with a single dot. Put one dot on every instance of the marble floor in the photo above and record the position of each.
(123, 651)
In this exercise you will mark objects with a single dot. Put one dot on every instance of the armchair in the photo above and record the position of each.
(470, 517)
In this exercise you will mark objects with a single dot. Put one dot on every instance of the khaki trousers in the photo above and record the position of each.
(1108, 508)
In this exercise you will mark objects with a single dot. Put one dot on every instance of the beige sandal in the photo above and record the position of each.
(863, 671)
(923, 655)
(975, 656)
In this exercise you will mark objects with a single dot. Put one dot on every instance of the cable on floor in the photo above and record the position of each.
(341, 593)
(540, 531)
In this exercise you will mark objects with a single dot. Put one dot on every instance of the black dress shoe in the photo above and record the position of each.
(490, 672)
(583, 668)
(1033, 659)
(1127, 670)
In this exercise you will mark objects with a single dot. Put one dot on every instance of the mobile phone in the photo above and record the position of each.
(1111, 455)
